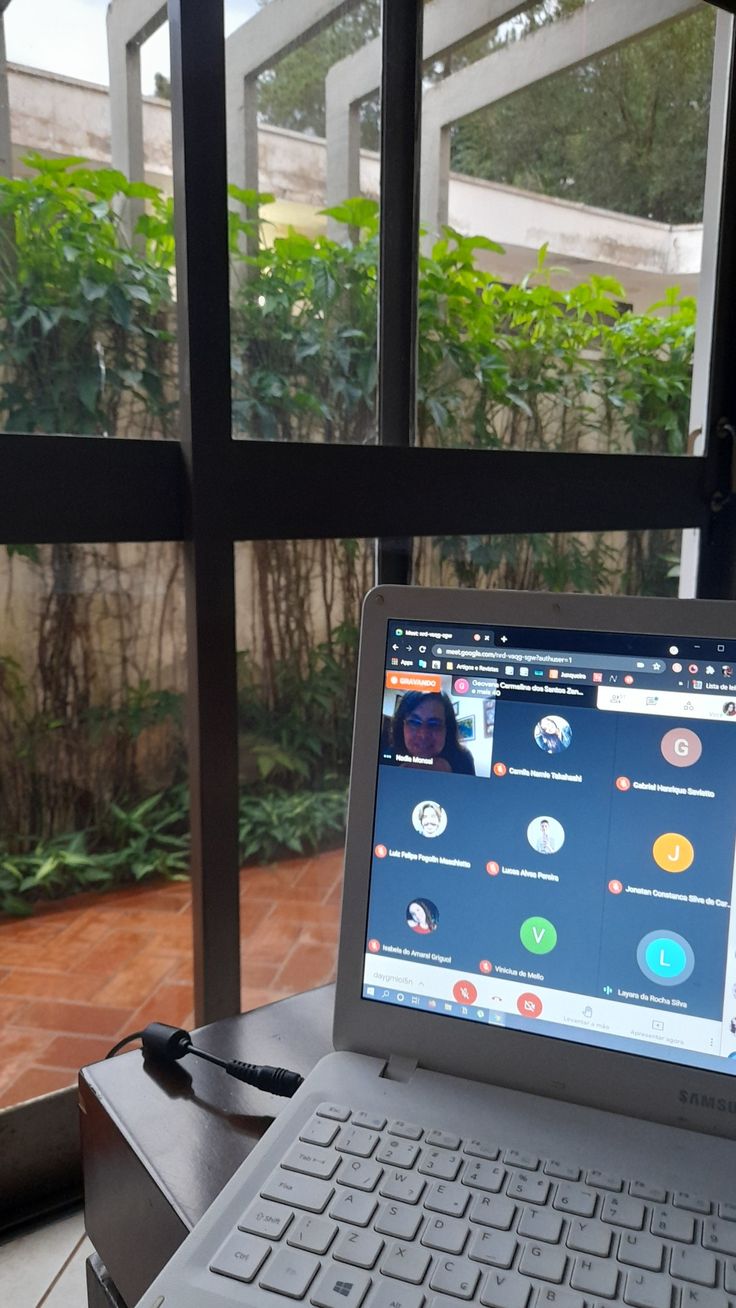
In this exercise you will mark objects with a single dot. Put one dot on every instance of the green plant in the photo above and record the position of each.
(84, 340)
(273, 823)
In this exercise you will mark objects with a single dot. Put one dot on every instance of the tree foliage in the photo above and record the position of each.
(292, 93)
(626, 131)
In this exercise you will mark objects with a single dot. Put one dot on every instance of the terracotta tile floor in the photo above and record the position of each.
(81, 973)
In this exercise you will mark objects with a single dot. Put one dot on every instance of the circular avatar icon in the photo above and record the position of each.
(673, 852)
(429, 818)
(538, 935)
(492, 868)
(546, 835)
(665, 958)
(623, 784)
(374, 946)
(615, 886)
(380, 851)
(422, 916)
(553, 734)
(681, 747)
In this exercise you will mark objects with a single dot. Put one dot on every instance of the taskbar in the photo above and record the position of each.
(695, 1042)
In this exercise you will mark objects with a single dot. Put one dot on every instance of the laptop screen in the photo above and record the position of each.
(553, 843)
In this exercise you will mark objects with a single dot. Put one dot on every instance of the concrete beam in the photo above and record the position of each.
(564, 44)
(256, 45)
(353, 79)
(129, 25)
(6, 153)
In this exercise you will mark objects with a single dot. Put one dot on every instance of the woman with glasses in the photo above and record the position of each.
(424, 734)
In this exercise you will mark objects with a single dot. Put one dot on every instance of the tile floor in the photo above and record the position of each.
(44, 1267)
(80, 974)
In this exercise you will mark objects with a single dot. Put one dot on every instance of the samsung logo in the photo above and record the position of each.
(695, 1100)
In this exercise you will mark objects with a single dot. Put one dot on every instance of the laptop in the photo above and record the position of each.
(533, 1099)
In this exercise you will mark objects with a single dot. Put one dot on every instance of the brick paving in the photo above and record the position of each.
(82, 973)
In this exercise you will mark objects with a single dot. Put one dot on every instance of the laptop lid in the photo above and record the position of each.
(539, 873)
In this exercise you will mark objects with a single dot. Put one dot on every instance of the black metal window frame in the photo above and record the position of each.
(209, 491)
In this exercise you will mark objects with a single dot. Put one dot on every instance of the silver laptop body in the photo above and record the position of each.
(533, 1104)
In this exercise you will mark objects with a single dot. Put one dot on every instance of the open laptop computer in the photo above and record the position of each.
(534, 1102)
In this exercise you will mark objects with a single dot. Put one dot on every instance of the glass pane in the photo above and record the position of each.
(558, 307)
(95, 922)
(298, 609)
(87, 329)
(615, 563)
(303, 137)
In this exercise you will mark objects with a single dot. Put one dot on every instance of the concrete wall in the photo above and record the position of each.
(58, 116)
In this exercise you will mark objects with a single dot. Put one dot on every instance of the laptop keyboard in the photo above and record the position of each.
(366, 1213)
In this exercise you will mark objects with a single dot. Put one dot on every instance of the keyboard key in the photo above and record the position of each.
(730, 1277)
(643, 1290)
(390, 1295)
(240, 1257)
(505, 1290)
(593, 1276)
(719, 1236)
(446, 1234)
(694, 1203)
(399, 1220)
(353, 1206)
(409, 1130)
(494, 1247)
(493, 1210)
(644, 1190)
(641, 1251)
(337, 1112)
(374, 1121)
(691, 1298)
(311, 1160)
(689, 1263)
(672, 1224)
(313, 1234)
(289, 1272)
(440, 1163)
(263, 1218)
(444, 1197)
(727, 1212)
(551, 1296)
(622, 1210)
(319, 1131)
(540, 1224)
(443, 1139)
(399, 1153)
(406, 1186)
(360, 1248)
(481, 1149)
(575, 1199)
(517, 1158)
(341, 1287)
(530, 1189)
(406, 1262)
(356, 1140)
(589, 1237)
(544, 1261)
(484, 1175)
(359, 1173)
(299, 1191)
(604, 1180)
(455, 1276)
(563, 1172)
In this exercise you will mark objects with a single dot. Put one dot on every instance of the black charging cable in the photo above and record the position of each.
(170, 1043)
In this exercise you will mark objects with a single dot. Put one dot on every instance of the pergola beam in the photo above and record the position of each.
(358, 76)
(567, 43)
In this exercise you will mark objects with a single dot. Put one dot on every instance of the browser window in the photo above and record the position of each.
(554, 833)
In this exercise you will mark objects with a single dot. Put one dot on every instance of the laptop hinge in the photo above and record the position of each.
(399, 1068)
